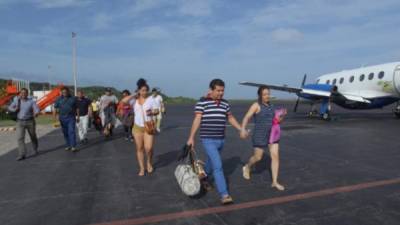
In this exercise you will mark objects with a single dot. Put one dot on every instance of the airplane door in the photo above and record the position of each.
(396, 79)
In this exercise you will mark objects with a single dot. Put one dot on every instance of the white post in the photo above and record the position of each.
(74, 60)
(49, 75)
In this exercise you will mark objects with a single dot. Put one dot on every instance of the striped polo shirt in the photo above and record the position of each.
(214, 116)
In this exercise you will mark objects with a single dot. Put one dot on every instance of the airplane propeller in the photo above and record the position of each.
(298, 98)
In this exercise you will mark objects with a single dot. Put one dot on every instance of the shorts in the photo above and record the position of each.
(137, 129)
(265, 146)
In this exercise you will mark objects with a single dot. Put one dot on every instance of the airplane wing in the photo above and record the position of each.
(298, 91)
(364, 95)
(356, 98)
(312, 92)
(273, 87)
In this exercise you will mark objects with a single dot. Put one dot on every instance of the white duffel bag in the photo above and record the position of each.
(187, 179)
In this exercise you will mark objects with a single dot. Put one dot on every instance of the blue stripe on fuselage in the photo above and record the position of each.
(317, 87)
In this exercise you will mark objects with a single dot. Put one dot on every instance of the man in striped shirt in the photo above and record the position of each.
(211, 114)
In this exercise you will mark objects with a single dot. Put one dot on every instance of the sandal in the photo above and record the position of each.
(150, 170)
(279, 187)
(246, 172)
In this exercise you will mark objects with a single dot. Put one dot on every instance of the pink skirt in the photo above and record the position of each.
(275, 134)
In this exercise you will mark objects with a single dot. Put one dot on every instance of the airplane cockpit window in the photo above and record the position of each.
(328, 82)
(362, 77)
(381, 75)
(341, 80)
(318, 81)
(351, 79)
(334, 81)
(371, 76)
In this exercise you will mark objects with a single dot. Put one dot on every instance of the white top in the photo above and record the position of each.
(158, 101)
(105, 100)
(149, 104)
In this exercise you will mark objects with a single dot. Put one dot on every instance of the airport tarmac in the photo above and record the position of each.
(345, 171)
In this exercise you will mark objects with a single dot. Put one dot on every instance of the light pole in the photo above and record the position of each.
(74, 60)
(49, 75)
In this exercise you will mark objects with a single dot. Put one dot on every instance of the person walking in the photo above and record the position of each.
(108, 105)
(265, 118)
(159, 102)
(125, 113)
(27, 110)
(84, 105)
(144, 127)
(211, 114)
(66, 107)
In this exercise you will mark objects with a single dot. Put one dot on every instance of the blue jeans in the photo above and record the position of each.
(213, 166)
(68, 128)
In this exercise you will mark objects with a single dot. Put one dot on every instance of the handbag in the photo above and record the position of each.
(149, 126)
(188, 175)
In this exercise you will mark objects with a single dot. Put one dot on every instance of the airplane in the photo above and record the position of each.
(368, 87)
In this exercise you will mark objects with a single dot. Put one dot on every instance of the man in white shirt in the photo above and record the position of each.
(159, 105)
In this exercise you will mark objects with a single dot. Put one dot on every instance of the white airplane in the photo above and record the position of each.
(368, 87)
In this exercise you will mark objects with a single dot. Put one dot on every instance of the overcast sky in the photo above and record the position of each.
(180, 45)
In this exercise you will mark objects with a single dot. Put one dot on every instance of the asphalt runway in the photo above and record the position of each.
(345, 171)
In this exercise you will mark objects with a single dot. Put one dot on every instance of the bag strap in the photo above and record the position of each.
(144, 118)
(192, 159)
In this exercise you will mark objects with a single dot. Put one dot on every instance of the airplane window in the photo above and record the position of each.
(351, 79)
(318, 81)
(334, 81)
(362, 77)
(328, 81)
(371, 76)
(381, 75)
(341, 80)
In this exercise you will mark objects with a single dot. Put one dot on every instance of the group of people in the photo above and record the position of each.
(111, 112)
(79, 113)
(141, 113)
(73, 111)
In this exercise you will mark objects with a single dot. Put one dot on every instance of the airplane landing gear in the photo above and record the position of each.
(313, 111)
(325, 110)
(326, 116)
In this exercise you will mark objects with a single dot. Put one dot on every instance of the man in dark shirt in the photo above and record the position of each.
(27, 111)
(68, 112)
(211, 115)
(85, 111)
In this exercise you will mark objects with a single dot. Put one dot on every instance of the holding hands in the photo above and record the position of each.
(244, 133)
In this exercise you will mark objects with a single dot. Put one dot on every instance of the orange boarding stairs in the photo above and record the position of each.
(49, 98)
(10, 92)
